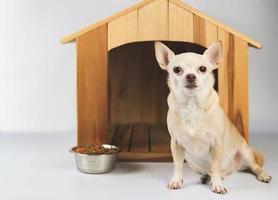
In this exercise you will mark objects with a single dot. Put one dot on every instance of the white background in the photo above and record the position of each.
(37, 74)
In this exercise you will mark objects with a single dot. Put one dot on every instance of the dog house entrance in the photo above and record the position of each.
(138, 100)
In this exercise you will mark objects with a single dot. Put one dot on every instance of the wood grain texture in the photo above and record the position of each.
(159, 138)
(233, 80)
(92, 84)
(140, 138)
(124, 86)
(111, 133)
(137, 86)
(123, 30)
(180, 24)
(205, 33)
(153, 21)
(73, 36)
(225, 67)
(122, 136)
(217, 23)
(142, 142)
(240, 87)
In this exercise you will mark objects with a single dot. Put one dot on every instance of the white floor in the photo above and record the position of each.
(40, 167)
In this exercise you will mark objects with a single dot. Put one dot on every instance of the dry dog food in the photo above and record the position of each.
(94, 150)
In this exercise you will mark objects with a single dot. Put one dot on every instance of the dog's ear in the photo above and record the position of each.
(214, 53)
(163, 55)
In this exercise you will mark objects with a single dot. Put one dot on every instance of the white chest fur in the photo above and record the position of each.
(189, 128)
(190, 116)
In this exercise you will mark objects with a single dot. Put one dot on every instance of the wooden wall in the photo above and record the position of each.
(163, 20)
(160, 20)
(92, 84)
(233, 80)
(137, 86)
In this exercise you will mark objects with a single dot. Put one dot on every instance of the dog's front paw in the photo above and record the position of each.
(175, 184)
(219, 189)
(264, 177)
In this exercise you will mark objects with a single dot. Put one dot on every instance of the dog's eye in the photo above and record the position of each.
(202, 69)
(177, 70)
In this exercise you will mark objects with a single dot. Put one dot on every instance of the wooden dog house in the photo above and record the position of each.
(121, 91)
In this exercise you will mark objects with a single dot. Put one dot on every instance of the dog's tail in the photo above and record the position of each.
(259, 157)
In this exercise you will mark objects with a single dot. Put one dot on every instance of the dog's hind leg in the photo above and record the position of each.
(205, 179)
(254, 161)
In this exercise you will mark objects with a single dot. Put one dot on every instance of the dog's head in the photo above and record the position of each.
(189, 72)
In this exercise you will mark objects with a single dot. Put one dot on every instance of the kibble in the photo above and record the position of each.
(94, 150)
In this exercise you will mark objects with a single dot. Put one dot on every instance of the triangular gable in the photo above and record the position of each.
(72, 37)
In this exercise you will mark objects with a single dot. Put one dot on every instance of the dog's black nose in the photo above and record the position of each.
(190, 78)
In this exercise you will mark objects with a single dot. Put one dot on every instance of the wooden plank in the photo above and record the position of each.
(225, 68)
(124, 86)
(159, 139)
(92, 78)
(140, 138)
(233, 80)
(122, 137)
(205, 33)
(111, 133)
(122, 30)
(180, 24)
(217, 23)
(145, 157)
(153, 21)
(73, 36)
(239, 100)
(153, 87)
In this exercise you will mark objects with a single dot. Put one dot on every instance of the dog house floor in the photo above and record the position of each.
(141, 141)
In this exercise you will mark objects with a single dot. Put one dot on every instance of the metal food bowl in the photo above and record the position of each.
(96, 163)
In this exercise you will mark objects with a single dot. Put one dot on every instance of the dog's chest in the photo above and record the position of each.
(193, 133)
(191, 118)
(197, 148)
(197, 152)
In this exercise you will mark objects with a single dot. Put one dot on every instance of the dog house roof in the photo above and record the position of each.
(72, 37)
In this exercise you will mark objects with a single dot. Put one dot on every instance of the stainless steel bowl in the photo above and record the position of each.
(96, 164)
